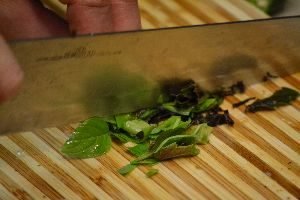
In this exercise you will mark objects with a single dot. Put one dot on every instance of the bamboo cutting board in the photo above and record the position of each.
(258, 158)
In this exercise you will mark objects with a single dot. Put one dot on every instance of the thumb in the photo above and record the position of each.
(11, 75)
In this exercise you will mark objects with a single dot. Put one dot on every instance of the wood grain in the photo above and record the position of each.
(258, 158)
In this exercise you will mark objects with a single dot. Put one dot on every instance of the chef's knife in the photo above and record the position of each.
(70, 79)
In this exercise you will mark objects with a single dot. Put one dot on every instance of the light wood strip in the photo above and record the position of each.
(21, 181)
(66, 166)
(5, 194)
(38, 169)
(250, 168)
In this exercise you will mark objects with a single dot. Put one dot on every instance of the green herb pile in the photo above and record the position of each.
(182, 119)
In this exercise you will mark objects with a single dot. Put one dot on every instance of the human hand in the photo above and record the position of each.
(27, 19)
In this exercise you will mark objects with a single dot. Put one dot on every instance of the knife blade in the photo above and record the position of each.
(70, 79)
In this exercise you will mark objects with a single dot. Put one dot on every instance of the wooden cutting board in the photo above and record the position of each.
(258, 158)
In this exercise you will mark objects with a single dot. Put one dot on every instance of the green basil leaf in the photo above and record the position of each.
(173, 150)
(90, 139)
(171, 123)
(124, 138)
(127, 169)
(139, 149)
(147, 161)
(122, 119)
(207, 104)
(164, 135)
(136, 126)
(173, 108)
(201, 131)
(152, 172)
(182, 140)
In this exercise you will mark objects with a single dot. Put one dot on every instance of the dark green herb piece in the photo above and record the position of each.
(148, 161)
(152, 172)
(238, 104)
(171, 123)
(139, 149)
(174, 151)
(90, 139)
(122, 119)
(127, 169)
(201, 131)
(281, 97)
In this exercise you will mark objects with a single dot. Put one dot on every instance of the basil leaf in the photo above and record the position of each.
(152, 172)
(123, 138)
(127, 169)
(173, 108)
(136, 126)
(207, 104)
(182, 140)
(173, 150)
(139, 150)
(147, 114)
(281, 97)
(164, 135)
(173, 122)
(201, 131)
(147, 161)
(90, 139)
(122, 119)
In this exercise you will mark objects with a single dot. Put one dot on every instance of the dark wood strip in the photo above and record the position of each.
(234, 168)
(51, 167)
(258, 162)
(13, 187)
(27, 173)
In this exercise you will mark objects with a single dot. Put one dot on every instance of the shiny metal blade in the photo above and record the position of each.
(70, 79)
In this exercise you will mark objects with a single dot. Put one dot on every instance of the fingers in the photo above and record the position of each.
(94, 16)
(89, 16)
(11, 74)
(126, 15)
(24, 19)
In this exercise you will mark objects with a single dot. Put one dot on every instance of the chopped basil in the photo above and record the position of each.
(281, 97)
(126, 169)
(152, 172)
(90, 139)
